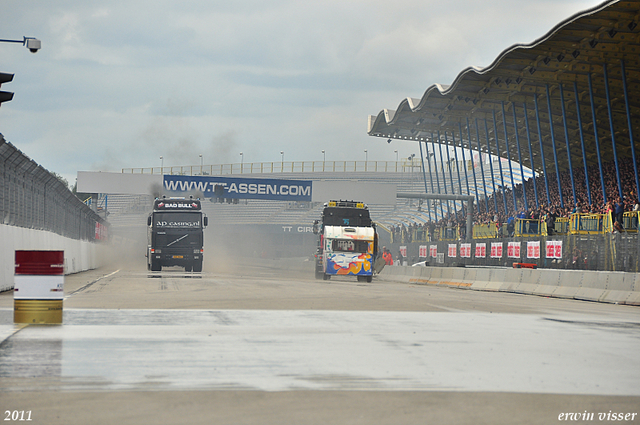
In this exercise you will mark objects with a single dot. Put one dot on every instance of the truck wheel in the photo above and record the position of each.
(187, 268)
(155, 266)
(369, 279)
(197, 266)
(326, 276)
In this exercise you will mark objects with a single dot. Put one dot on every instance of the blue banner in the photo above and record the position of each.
(239, 187)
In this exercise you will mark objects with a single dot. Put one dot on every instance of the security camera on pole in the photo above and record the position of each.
(33, 44)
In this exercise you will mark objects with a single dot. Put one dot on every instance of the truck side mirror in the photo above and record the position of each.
(206, 221)
(149, 221)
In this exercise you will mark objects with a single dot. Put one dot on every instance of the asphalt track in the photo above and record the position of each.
(263, 347)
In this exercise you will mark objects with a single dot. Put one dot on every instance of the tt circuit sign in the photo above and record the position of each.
(239, 188)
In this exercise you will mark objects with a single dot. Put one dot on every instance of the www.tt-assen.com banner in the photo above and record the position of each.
(242, 188)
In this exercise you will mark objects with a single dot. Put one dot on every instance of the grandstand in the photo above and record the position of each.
(565, 104)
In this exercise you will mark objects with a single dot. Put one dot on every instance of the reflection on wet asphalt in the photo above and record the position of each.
(276, 350)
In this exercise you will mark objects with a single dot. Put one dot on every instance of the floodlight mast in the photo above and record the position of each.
(31, 43)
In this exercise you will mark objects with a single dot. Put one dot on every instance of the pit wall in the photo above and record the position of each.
(78, 255)
(608, 287)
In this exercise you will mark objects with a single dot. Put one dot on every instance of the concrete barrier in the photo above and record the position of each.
(512, 279)
(470, 276)
(609, 287)
(483, 278)
(619, 287)
(634, 296)
(529, 281)
(549, 282)
(497, 279)
(78, 255)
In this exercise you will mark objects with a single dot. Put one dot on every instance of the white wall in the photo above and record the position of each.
(78, 255)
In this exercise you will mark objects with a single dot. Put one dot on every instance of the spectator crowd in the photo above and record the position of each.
(545, 209)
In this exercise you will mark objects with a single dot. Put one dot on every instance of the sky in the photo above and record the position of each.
(118, 84)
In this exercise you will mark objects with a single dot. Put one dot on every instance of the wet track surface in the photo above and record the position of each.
(325, 350)
(130, 332)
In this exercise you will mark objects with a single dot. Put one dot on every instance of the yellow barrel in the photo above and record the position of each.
(37, 311)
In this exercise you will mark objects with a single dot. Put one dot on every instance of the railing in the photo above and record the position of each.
(630, 221)
(577, 224)
(527, 227)
(283, 167)
(449, 234)
(561, 226)
(485, 231)
(588, 224)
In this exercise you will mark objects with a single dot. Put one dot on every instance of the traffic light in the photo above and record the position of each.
(5, 96)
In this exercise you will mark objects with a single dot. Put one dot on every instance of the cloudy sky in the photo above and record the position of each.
(118, 84)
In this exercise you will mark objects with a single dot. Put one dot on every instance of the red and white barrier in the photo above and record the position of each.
(38, 287)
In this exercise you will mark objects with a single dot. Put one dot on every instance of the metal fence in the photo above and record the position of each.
(609, 252)
(284, 167)
(32, 197)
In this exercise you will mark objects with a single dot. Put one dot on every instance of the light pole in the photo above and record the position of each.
(396, 152)
(161, 164)
(282, 159)
(324, 156)
(366, 155)
(201, 160)
(241, 162)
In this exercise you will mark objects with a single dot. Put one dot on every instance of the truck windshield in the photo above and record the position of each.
(181, 220)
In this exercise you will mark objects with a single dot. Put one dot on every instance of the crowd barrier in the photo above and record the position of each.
(485, 231)
(608, 287)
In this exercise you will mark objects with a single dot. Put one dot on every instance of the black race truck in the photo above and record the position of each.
(175, 234)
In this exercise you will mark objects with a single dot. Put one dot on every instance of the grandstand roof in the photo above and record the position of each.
(576, 49)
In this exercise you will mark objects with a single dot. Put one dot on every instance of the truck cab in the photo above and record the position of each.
(347, 241)
(175, 234)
